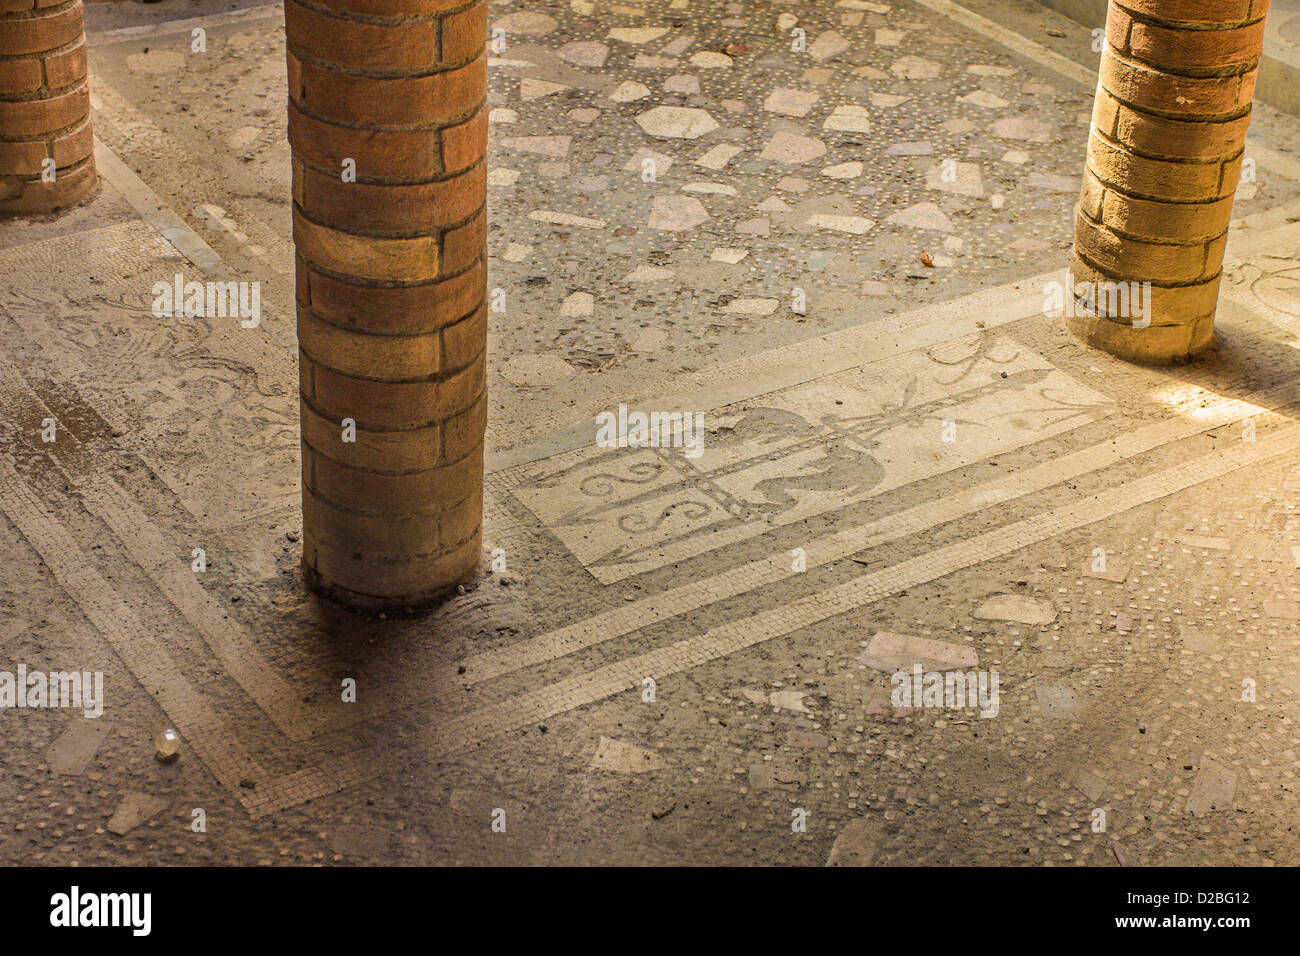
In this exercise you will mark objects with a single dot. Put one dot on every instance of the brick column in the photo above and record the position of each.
(388, 128)
(1164, 154)
(44, 108)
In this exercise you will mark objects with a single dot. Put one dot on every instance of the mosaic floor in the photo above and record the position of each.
(678, 654)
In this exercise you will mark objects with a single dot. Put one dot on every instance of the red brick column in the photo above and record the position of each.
(1164, 154)
(44, 108)
(388, 127)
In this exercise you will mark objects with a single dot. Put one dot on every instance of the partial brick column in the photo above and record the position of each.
(1164, 154)
(388, 127)
(44, 108)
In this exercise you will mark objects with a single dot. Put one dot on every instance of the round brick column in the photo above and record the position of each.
(1164, 155)
(388, 128)
(44, 108)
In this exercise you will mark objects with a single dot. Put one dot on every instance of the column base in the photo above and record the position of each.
(34, 197)
(1155, 345)
(391, 589)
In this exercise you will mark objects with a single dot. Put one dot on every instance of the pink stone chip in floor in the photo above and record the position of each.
(894, 652)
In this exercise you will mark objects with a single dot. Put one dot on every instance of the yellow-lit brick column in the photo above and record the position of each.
(388, 128)
(1164, 155)
(47, 155)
